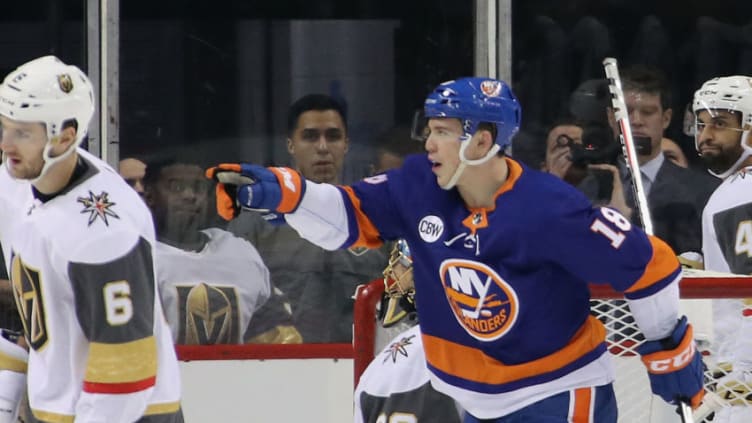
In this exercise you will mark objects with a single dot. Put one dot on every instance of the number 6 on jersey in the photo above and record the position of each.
(117, 302)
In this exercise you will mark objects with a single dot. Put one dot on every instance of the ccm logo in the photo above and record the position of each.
(670, 364)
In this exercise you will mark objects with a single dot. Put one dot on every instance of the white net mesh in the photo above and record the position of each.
(727, 391)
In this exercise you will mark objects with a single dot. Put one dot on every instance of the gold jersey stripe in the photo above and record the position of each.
(13, 364)
(49, 417)
(121, 363)
(163, 408)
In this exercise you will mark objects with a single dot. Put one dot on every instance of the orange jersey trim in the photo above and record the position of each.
(472, 364)
(661, 265)
(368, 235)
(669, 361)
(515, 171)
(291, 187)
(583, 397)
(478, 218)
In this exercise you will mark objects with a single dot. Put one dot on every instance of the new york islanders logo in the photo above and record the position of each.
(483, 303)
(491, 88)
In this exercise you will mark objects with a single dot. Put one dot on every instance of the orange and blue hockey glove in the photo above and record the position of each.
(674, 366)
(254, 187)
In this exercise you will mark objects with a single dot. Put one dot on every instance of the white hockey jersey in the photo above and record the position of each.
(12, 192)
(209, 296)
(396, 386)
(727, 247)
(83, 277)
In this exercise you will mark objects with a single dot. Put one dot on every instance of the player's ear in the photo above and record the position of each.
(149, 196)
(290, 146)
(485, 140)
(64, 141)
(667, 114)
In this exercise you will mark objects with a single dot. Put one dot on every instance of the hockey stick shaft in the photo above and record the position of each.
(686, 413)
(621, 114)
(710, 404)
(627, 142)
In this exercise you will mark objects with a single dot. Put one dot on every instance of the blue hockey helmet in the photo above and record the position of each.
(476, 100)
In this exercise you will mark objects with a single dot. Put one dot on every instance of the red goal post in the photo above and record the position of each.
(632, 387)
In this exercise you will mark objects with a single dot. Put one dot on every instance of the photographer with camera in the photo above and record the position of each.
(584, 155)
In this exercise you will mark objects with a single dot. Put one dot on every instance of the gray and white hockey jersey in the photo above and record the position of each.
(82, 268)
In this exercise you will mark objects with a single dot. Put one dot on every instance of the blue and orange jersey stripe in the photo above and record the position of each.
(662, 269)
(582, 405)
(362, 231)
(464, 365)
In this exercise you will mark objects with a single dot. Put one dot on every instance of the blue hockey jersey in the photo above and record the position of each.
(502, 293)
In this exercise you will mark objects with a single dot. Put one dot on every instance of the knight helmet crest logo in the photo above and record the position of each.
(65, 83)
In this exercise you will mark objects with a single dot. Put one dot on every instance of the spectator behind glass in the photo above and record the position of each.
(213, 284)
(319, 283)
(673, 152)
(392, 147)
(675, 195)
(594, 174)
(133, 170)
(317, 139)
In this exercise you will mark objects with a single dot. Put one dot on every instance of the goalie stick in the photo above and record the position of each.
(633, 167)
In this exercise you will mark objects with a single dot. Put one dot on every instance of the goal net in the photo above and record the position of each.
(727, 390)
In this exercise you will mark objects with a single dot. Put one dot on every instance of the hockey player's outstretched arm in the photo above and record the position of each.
(254, 187)
(317, 211)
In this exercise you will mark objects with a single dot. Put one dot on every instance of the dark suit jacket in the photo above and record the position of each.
(676, 200)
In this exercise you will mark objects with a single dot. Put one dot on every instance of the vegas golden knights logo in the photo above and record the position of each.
(208, 315)
(65, 83)
(28, 294)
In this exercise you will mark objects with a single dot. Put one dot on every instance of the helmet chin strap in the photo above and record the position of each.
(464, 161)
(746, 153)
(49, 160)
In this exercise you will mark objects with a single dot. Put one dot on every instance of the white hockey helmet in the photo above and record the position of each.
(48, 91)
(729, 93)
